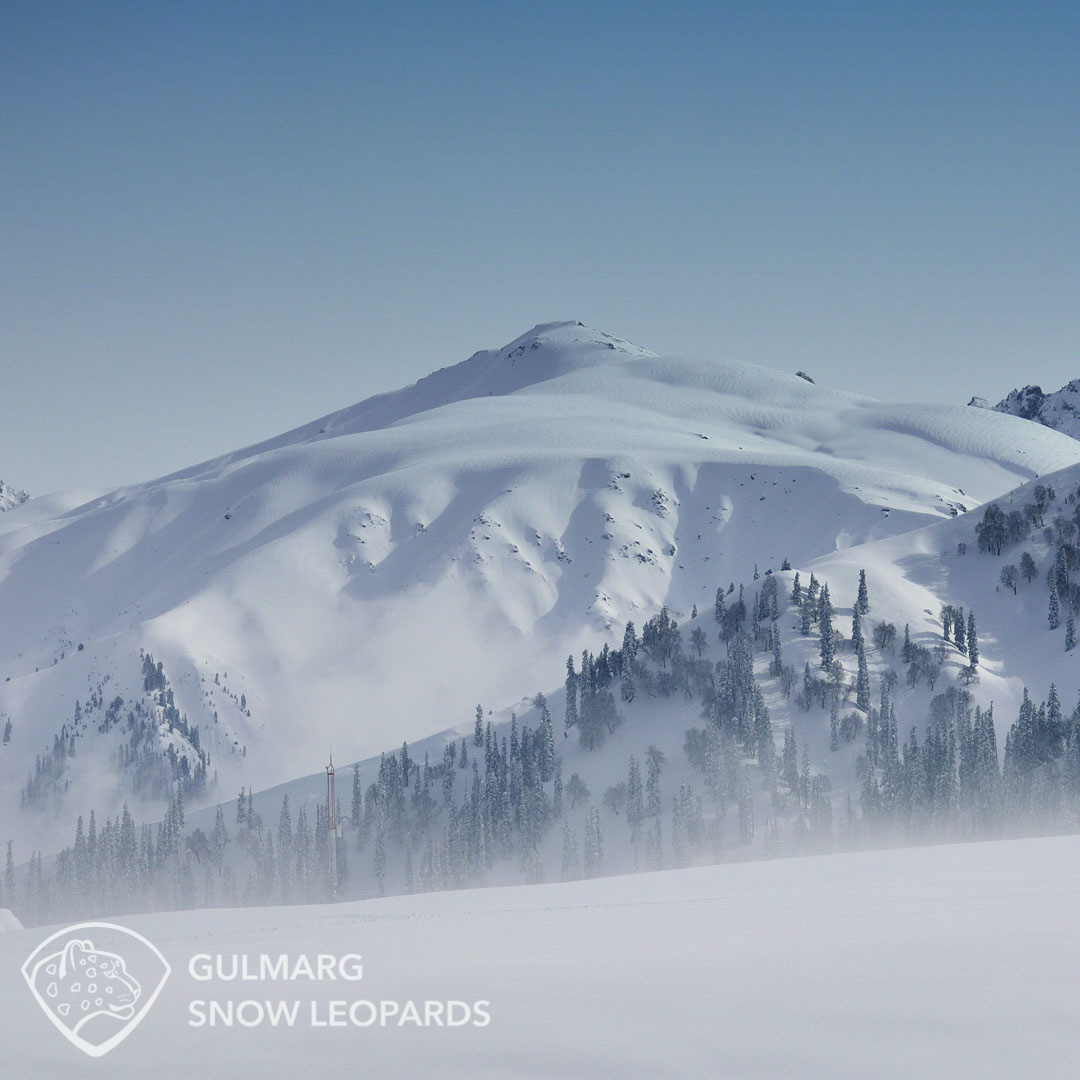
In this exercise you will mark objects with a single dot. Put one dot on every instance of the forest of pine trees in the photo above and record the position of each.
(487, 806)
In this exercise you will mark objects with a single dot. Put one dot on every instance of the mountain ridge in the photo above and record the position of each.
(1058, 410)
(293, 589)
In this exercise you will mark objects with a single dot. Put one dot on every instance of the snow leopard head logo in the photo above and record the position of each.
(95, 996)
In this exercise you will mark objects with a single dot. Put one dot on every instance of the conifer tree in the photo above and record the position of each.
(594, 843)
(654, 761)
(379, 864)
(1053, 615)
(825, 629)
(571, 694)
(790, 760)
(221, 837)
(746, 809)
(1070, 640)
(972, 642)
(679, 845)
(862, 683)
(654, 848)
(862, 604)
(635, 796)
(478, 727)
(571, 863)
(777, 665)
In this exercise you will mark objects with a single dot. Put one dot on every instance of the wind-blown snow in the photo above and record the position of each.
(940, 962)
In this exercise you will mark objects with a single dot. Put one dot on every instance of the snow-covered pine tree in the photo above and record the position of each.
(959, 630)
(862, 683)
(825, 629)
(594, 843)
(654, 762)
(571, 694)
(862, 603)
(654, 848)
(746, 809)
(972, 642)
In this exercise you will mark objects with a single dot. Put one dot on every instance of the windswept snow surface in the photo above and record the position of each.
(371, 576)
(951, 962)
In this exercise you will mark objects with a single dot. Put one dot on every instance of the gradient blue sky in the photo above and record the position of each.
(220, 220)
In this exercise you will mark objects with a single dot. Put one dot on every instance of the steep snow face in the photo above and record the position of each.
(10, 497)
(1059, 410)
(369, 577)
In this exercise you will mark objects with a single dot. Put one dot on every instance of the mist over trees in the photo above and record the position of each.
(497, 804)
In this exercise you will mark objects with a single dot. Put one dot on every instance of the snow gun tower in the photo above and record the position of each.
(332, 829)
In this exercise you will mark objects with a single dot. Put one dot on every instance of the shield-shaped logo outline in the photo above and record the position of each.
(39, 955)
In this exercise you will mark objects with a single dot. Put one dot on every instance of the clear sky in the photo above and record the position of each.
(218, 221)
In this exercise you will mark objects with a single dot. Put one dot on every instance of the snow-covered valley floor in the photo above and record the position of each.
(957, 961)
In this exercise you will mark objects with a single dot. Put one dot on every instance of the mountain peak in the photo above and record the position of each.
(573, 338)
(11, 497)
(1059, 410)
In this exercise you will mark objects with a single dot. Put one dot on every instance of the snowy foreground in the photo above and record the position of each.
(934, 962)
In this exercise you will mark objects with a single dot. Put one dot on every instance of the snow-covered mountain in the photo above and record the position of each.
(370, 576)
(11, 496)
(1059, 410)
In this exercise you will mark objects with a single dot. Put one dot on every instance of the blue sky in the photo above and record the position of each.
(220, 220)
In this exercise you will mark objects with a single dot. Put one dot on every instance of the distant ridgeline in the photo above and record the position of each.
(498, 805)
(1059, 410)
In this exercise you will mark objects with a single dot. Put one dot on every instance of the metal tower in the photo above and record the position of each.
(332, 828)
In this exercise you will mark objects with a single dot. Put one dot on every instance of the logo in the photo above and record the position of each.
(96, 996)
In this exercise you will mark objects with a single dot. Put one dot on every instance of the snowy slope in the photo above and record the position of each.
(889, 964)
(369, 577)
(911, 577)
(918, 572)
(1059, 410)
